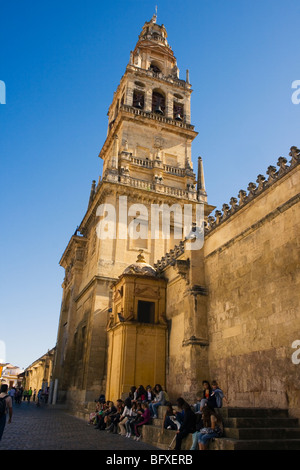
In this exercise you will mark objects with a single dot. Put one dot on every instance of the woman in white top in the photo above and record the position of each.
(124, 417)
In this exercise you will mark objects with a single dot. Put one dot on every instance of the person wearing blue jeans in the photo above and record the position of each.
(159, 400)
(213, 428)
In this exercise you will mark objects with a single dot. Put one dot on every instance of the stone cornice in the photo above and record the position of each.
(146, 191)
(153, 118)
(174, 82)
(75, 239)
(90, 284)
(131, 113)
(194, 341)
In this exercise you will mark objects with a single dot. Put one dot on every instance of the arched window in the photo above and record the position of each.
(155, 68)
(158, 103)
(178, 110)
(138, 99)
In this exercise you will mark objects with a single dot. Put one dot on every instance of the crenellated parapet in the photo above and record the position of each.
(254, 189)
(170, 258)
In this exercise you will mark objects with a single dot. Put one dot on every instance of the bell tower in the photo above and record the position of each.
(150, 133)
(146, 162)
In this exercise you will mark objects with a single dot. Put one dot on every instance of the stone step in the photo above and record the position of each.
(262, 433)
(227, 412)
(232, 412)
(244, 429)
(260, 422)
(161, 411)
(162, 438)
(255, 444)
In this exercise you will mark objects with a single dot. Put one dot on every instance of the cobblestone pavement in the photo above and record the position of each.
(52, 428)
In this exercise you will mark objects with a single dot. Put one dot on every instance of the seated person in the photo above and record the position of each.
(170, 418)
(102, 420)
(213, 427)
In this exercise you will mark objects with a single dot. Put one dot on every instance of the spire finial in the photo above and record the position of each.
(140, 258)
(92, 193)
(154, 17)
(201, 181)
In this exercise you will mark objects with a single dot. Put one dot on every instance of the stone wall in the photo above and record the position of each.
(253, 279)
(187, 349)
(38, 374)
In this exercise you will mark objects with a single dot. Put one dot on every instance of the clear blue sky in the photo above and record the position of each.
(61, 61)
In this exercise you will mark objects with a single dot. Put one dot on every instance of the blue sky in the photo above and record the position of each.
(61, 62)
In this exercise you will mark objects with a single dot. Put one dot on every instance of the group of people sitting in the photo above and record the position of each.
(141, 406)
(127, 417)
(201, 419)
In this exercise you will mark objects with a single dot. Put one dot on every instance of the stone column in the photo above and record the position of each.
(187, 110)
(169, 105)
(50, 392)
(195, 325)
(148, 100)
(115, 153)
(129, 94)
(55, 392)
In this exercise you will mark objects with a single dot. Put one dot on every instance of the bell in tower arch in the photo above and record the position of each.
(158, 103)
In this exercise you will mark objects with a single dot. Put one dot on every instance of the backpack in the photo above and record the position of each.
(3, 405)
(166, 396)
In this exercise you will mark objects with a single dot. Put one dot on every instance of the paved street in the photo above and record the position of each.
(51, 428)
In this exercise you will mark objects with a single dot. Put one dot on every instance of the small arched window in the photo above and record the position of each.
(155, 68)
(138, 99)
(158, 103)
(178, 110)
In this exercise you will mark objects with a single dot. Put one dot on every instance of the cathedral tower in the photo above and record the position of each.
(146, 161)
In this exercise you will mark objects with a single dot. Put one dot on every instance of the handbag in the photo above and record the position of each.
(206, 431)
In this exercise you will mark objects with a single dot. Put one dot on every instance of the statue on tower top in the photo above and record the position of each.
(154, 17)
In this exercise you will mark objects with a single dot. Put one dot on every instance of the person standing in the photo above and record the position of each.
(12, 393)
(29, 394)
(5, 406)
(39, 397)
